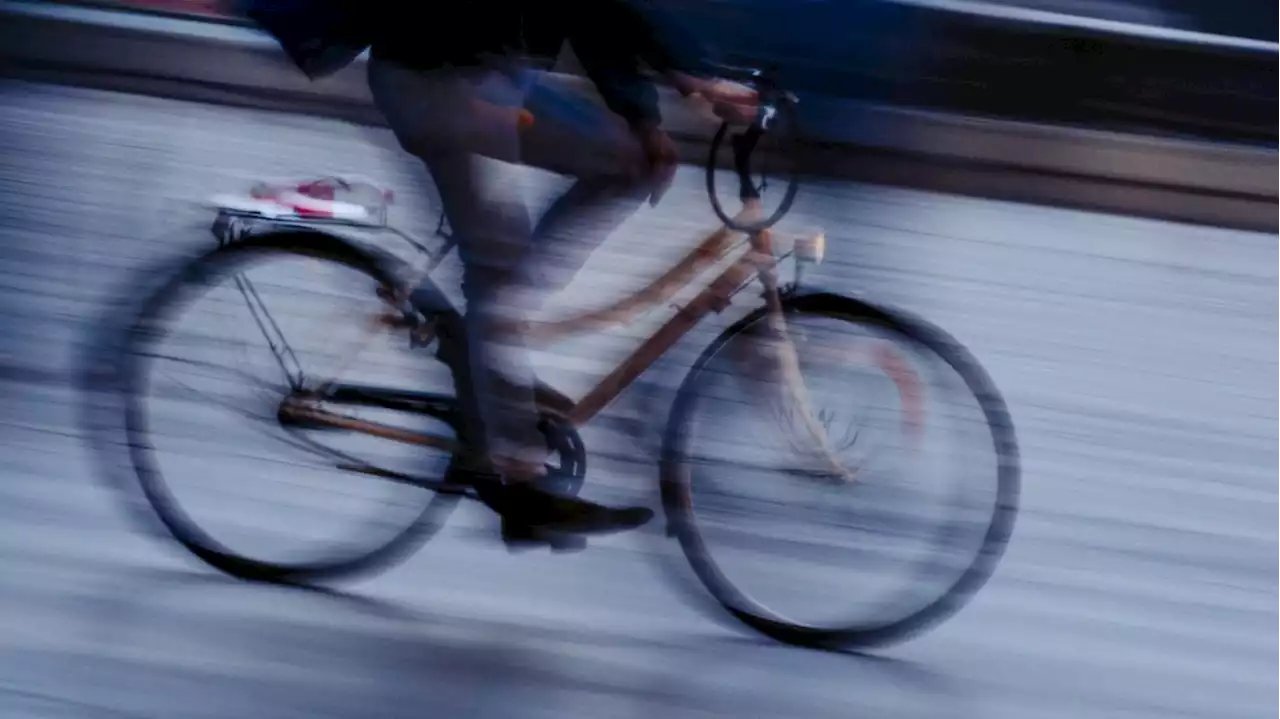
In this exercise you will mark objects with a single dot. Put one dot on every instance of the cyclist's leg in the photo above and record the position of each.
(492, 239)
(575, 136)
(432, 117)
(492, 242)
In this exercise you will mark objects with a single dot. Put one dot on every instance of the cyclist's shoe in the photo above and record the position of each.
(533, 516)
(526, 505)
(518, 537)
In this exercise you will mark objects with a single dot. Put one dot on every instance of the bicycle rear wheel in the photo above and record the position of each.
(936, 548)
(340, 539)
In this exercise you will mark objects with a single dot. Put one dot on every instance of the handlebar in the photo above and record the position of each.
(771, 95)
(763, 80)
(773, 102)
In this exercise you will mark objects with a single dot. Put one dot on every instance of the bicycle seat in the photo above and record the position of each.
(328, 199)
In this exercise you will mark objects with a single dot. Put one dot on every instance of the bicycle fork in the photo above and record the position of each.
(785, 357)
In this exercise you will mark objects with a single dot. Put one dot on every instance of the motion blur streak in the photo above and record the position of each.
(1136, 356)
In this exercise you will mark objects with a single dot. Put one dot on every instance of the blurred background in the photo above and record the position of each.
(1082, 193)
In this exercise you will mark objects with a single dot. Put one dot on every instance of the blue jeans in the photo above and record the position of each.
(510, 265)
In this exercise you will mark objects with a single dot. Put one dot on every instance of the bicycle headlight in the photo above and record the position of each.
(811, 249)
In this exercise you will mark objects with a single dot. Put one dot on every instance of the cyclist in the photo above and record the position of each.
(468, 87)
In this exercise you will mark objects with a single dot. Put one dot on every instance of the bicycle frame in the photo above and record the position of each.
(755, 260)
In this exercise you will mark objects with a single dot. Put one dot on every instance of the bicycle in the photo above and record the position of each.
(764, 346)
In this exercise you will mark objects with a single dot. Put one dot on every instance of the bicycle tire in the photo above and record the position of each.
(790, 147)
(151, 314)
(676, 479)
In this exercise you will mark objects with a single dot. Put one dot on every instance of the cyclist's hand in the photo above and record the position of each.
(731, 101)
(663, 159)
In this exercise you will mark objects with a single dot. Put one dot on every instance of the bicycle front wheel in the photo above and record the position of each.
(858, 510)
(208, 365)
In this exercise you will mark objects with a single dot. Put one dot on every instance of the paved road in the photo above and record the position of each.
(1137, 358)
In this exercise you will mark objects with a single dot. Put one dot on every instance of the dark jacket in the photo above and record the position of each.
(613, 39)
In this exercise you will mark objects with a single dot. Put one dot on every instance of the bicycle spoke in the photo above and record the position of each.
(348, 357)
(240, 374)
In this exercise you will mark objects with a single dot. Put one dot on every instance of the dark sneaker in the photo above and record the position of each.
(519, 537)
(524, 504)
(535, 516)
